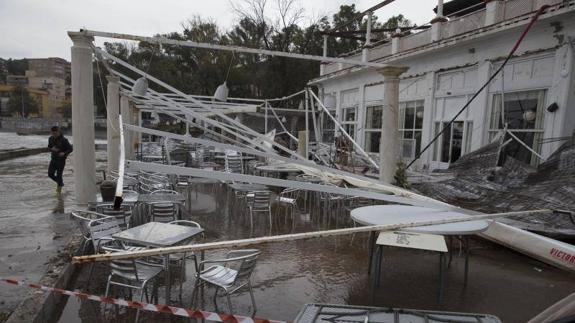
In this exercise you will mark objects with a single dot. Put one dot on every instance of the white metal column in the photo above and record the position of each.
(83, 118)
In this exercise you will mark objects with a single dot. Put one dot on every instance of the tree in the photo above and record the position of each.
(266, 24)
(22, 103)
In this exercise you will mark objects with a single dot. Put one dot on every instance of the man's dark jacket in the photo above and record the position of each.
(63, 146)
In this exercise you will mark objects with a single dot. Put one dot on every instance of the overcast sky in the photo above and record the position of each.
(37, 28)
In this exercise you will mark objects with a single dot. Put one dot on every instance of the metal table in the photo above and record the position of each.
(394, 214)
(127, 198)
(159, 235)
(174, 198)
(317, 313)
(248, 187)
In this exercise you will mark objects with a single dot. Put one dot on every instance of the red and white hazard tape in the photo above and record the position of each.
(178, 311)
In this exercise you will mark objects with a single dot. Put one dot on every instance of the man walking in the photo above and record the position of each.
(60, 148)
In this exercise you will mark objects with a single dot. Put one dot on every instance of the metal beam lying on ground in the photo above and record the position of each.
(235, 49)
(223, 176)
(306, 166)
(293, 237)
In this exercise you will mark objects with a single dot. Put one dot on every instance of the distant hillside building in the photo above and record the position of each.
(47, 79)
(53, 67)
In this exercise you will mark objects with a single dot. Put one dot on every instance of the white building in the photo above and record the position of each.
(448, 63)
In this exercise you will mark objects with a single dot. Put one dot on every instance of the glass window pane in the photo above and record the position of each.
(445, 142)
(372, 139)
(417, 136)
(456, 141)
(409, 118)
(373, 117)
(436, 146)
(468, 136)
(401, 115)
(349, 114)
(419, 117)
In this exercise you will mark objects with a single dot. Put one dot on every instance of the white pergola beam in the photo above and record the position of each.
(235, 49)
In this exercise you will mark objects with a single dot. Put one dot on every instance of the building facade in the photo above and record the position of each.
(448, 63)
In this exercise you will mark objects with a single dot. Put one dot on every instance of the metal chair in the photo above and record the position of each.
(288, 199)
(165, 192)
(233, 164)
(130, 274)
(164, 212)
(83, 220)
(101, 232)
(181, 258)
(122, 214)
(229, 274)
(261, 202)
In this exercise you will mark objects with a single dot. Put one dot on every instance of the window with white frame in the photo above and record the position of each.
(373, 115)
(454, 142)
(522, 115)
(349, 120)
(410, 125)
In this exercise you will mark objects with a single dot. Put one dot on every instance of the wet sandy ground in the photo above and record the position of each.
(334, 270)
(34, 226)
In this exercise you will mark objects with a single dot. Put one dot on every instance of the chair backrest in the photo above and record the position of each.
(163, 211)
(187, 223)
(104, 228)
(233, 164)
(261, 200)
(165, 192)
(248, 259)
(125, 268)
(140, 215)
(122, 214)
(83, 219)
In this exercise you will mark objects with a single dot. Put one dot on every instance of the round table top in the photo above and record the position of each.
(278, 168)
(395, 214)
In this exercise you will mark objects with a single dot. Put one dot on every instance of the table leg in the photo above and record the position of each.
(371, 247)
(466, 250)
(378, 260)
(168, 279)
(450, 249)
(440, 288)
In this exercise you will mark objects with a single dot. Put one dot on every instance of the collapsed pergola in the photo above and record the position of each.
(218, 118)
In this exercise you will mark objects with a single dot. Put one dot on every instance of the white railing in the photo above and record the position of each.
(415, 40)
(380, 51)
(516, 8)
(464, 24)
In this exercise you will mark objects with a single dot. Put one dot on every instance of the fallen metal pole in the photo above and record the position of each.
(293, 237)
